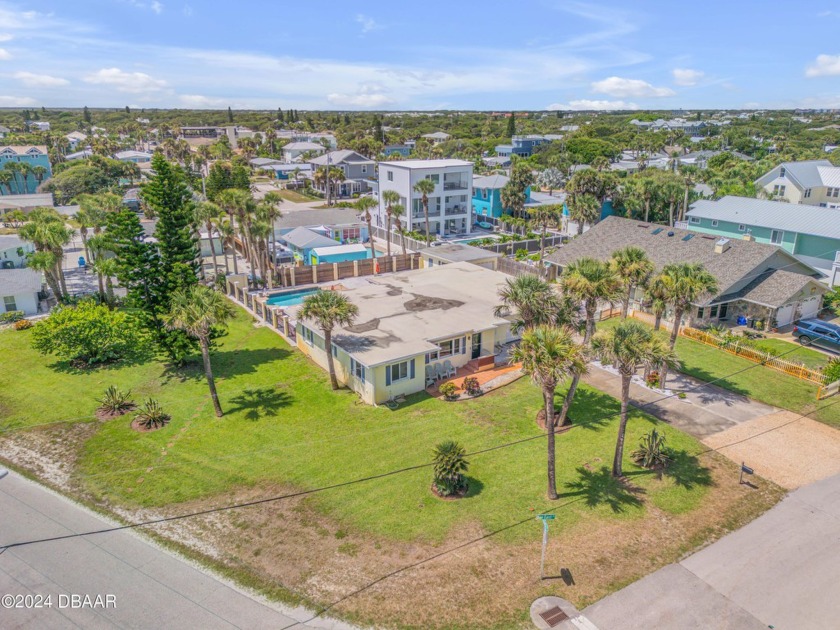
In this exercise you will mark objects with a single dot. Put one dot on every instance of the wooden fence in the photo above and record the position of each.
(797, 370)
(828, 390)
(530, 245)
(333, 272)
(516, 268)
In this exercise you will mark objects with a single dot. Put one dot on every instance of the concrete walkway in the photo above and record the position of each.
(151, 588)
(705, 410)
(780, 571)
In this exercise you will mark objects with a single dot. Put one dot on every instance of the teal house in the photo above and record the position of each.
(487, 195)
(29, 167)
(342, 253)
(810, 233)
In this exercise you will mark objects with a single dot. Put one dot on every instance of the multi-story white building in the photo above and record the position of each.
(450, 204)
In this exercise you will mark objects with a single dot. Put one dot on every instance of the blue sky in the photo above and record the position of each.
(525, 54)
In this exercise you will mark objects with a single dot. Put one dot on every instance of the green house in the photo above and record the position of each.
(810, 233)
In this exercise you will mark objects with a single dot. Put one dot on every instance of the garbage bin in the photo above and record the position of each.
(81, 261)
(742, 321)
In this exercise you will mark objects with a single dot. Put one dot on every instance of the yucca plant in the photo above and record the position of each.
(449, 468)
(652, 452)
(152, 416)
(115, 401)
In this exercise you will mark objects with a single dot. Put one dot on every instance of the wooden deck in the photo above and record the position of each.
(483, 374)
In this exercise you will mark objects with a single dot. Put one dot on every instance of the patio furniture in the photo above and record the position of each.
(448, 368)
(438, 371)
(430, 377)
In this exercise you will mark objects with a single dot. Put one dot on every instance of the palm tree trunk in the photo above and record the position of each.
(330, 364)
(671, 214)
(101, 282)
(548, 398)
(625, 306)
(657, 322)
(617, 469)
(83, 234)
(109, 290)
(647, 210)
(685, 205)
(212, 247)
(402, 240)
(61, 280)
(370, 239)
(388, 232)
(426, 216)
(208, 373)
(675, 331)
(542, 241)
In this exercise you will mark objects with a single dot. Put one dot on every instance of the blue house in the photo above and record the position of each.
(397, 149)
(301, 241)
(487, 195)
(341, 253)
(524, 146)
(39, 170)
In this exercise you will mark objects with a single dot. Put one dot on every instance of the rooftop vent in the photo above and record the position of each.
(657, 231)
(722, 245)
(643, 225)
(688, 237)
(670, 233)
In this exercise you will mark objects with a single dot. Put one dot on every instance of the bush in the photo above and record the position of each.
(652, 452)
(115, 401)
(152, 416)
(448, 390)
(88, 333)
(521, 254)
(23, 324)
(832, 370)
(652, 379)
(10, 317)
(471, 386)
(449, 468)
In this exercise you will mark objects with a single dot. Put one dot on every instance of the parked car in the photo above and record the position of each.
(819, 333)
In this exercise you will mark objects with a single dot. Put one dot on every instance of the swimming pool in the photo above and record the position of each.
(290, 298)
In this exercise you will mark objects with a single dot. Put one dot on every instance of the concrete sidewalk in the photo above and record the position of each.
(151, 588)
(706, 409)
(779, 571)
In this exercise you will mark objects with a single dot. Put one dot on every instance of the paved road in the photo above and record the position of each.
(151, 588)
(780, 571)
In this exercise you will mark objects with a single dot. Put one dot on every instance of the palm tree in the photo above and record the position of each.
(269, 210)
(549, 355)
(46, 230)
(107, 268)
(532, 300)
(425, 187)
(226, 236)
(583, 208)
(6, 180)
(632, 265)
(587, 281)
(364, 205)
(391, 198)
(687, 283)
(329, 309)
(397, 211)
(205, 213)
(656, 295)
(98, 245)
(543, 216)
(626, 347)
(197, 310)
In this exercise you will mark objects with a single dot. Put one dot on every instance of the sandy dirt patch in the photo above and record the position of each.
(784, 447)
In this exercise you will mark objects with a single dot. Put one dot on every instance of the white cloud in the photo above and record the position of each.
(31, 79)
(592, 105)
(5, 37)
(368, 23)
(200, 102)
(686, 76)
(157, 7)
(824, 66)
(621, 88)
(132, 82)
(368, 100)
(16, 101)
(5, 54)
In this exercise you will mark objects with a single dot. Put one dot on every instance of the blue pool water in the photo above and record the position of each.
(290, 298)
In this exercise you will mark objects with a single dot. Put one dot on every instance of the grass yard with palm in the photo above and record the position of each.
(285, 429)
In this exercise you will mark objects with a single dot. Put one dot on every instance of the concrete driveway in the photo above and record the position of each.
(149, 587)
(780, 571)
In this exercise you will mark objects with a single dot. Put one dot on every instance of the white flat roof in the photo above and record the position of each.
(340, 249)
(409, 164)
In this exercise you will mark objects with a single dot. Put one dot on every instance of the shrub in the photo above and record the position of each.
(10, 317)
(152, 416)
(652, 379)
(832, 370)
(471, 386)
(87, 333)
(448, 390)
(652, 452)
(449, 468)
(115, 401)
(23, 324)
(521, 254)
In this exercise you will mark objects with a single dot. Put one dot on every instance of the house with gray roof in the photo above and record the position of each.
(358, 170)
(809, 182)
(294, 151)
(19, 289)
(755, 280)
(810, 233)
(437, 137)
(340, 224)
(301, 241)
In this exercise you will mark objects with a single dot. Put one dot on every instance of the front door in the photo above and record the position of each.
(723, 309)
(476, 345)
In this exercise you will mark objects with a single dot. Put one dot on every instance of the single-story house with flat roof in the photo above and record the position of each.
(755, 280)
(341, 253)
(459, 252)
(302, 241)
(19, 290)
(408, 321)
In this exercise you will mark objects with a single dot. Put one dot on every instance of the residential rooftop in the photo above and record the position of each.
(410, 164)
(326, 216)
(17, 281)
(458, 252)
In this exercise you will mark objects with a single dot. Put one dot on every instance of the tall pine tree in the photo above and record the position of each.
(511, 127)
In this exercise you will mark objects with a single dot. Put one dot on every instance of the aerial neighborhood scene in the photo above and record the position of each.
(419, 318)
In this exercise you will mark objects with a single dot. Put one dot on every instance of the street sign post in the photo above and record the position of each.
(544, 518)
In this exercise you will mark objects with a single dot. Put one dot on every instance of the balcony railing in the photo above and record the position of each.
(420, 215)
(454, 185)
(457, 210)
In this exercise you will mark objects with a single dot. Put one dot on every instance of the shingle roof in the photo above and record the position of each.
(17, 281)
(777, 215)
(613, 233)
(773, 288)
(304, 238)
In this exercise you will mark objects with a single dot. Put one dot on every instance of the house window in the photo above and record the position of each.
(782, 172)
(364, 168)
(452, 346)
(776, 237)
(714, 311)
(434, 178)
(714, 223)
(742, 228)
(9, 303)
(389, 175)
(308, 335)
(357, 369)
(334, 350)
(399, 371)
(833, 192)
(434, 355)
(484, 193)
(694, 220)
(779, 190)
(700, 313)
(807, 193)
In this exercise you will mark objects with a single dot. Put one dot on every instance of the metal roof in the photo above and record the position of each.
(491, 181)
(776, 215)
(807, 173)
(304, 238)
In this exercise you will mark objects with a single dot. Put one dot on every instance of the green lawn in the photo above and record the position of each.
(760, 383)
(813, 359)
(284, 426)
(296, 197)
